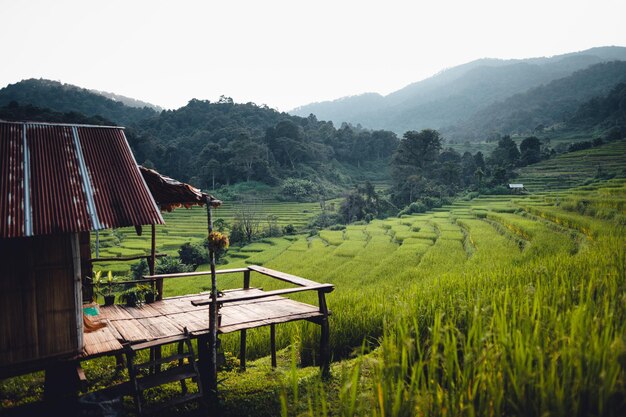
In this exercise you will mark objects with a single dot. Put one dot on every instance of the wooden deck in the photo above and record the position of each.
(170, 316)
(241, 309)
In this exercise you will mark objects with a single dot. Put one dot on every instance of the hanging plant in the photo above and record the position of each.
(218, 241)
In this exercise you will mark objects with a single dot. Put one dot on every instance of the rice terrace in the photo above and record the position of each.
(405, 209)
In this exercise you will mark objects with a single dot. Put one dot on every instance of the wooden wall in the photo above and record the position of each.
(38, 302)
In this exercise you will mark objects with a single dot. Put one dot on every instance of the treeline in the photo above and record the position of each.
(423, 171)
(544, 106)
(605, 113)
(15, 112)
(223, 143)
(66, 98)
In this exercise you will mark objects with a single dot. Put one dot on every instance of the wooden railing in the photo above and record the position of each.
(302, 284)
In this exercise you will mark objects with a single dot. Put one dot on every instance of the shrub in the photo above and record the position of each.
(414, 208)
(171, 265)
(193, 254)
(298, 189)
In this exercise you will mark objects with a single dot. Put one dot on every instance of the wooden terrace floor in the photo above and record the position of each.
(170, 316)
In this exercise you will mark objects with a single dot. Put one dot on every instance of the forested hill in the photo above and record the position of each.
(69, 98)
(457, 93)
(225, 143)
(543, 106)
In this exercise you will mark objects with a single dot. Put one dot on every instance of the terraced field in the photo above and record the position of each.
(572, 169)
(186, 225)
(380, 257)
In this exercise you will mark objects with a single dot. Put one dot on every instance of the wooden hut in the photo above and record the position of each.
(58, 182)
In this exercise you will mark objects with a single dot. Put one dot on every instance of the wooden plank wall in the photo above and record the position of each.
(37, 301)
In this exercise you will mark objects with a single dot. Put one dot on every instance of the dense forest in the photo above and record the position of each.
(222, 143)
(69, 98)
(544, 106)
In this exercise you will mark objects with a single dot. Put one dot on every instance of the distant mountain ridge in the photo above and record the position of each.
(544, 106)
(70, 98)
(128, 101)
(456, 94)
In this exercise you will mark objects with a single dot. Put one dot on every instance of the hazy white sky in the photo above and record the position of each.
(283, 53)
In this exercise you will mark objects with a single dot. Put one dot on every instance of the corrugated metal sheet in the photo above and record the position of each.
(11, 188)
(64, 178)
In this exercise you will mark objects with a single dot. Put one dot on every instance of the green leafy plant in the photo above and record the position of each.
(134, 295)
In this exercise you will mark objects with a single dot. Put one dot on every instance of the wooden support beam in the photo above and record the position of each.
(273, 343)
(61, 387)
(242, 350)
(246, 279)
(82, 378)
(324, 337)
(119, 362)
(203, 363)
(155, 356)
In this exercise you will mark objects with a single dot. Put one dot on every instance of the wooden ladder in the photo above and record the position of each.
(140, 381)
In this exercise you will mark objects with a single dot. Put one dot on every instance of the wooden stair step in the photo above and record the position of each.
(158, 342)
(171, 375)
(161, 361)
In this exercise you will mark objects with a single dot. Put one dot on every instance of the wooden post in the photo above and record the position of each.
(152, 264)
(325, 336)
(242, 350)
(273, 343)
(246, 279)
(243, 337)
(213, 308)
(78, 292)
(61, 387)
(203, 362)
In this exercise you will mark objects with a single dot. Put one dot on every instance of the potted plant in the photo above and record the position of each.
(149, 295)
(109, 295)
(133, 296)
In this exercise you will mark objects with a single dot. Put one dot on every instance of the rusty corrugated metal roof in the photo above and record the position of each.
(58, 178)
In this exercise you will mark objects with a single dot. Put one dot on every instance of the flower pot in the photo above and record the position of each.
(109, 300)
(149, 298)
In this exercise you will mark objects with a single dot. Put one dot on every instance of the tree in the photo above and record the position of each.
(193, 254)
(506, 153)
(530, 149)
(247, 155)
(247, 220)
(414, 163)
(418, 149)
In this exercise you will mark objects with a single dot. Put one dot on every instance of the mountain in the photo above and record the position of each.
(604, 112)
(70, 98)
(543, 106)
(457, 93)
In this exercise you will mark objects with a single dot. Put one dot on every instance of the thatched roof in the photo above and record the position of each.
(170, 193)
